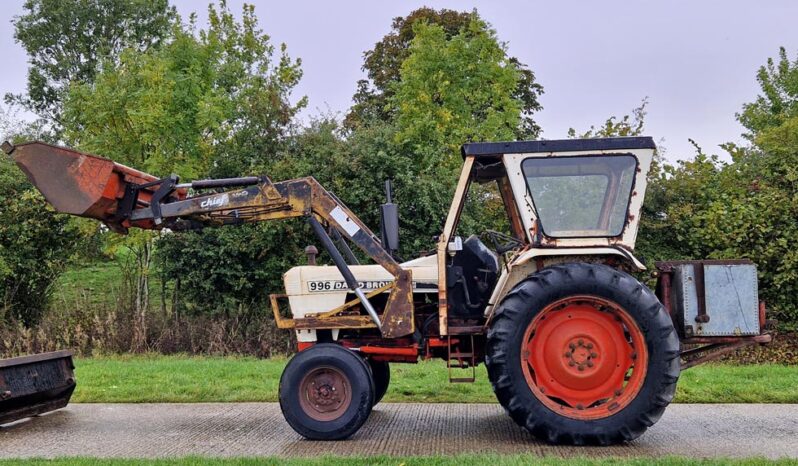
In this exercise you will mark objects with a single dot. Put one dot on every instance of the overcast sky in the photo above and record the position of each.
(695, 60)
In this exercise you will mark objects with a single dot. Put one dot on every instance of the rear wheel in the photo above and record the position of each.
(583, 353)
(381, 372)
(326, 392)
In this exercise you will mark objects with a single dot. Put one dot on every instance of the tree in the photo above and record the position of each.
(383, 66)
(189, 106)
(755, 216)
(67, 40)
(632, 124)
(778, 101)
(208, 103)
(454, 90)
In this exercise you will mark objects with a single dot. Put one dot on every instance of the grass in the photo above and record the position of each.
(98, 282)
(157, 378)
(459, 460)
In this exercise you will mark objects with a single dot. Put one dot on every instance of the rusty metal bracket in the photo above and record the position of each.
(714, 347)
(281, 321)
(318, 321)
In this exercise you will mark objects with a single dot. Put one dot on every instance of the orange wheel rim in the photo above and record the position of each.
(584, 357)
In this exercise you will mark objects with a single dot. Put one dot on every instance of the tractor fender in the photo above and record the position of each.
(530, 260)
(534, 253)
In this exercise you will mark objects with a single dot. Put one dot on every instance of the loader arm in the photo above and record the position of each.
(302, 197)
(123, 197)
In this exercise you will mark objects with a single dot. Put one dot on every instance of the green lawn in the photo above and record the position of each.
(156, 378)
(459, 460)
(97, 283)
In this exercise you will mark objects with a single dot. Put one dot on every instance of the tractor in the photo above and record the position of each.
(577, 348)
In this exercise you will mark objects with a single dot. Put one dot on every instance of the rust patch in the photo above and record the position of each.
(335, 322)
(397, 321)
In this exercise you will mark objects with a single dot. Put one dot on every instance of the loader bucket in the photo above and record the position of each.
(36, 384)
(81, 184)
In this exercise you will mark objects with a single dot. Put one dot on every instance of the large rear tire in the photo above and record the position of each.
(326, 392)
(583, 354)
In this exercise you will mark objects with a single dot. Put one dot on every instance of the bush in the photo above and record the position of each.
(35, 244)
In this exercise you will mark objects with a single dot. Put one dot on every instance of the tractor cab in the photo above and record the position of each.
(563, 198)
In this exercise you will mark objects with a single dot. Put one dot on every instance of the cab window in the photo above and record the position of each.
(582, 196)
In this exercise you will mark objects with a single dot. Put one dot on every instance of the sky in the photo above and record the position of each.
(695, 61)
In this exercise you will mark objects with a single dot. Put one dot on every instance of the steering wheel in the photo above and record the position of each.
(501, 242)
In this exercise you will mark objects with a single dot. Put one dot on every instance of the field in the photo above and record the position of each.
(187, 379)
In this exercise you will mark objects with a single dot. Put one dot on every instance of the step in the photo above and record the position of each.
(462, 379)
(466, 330)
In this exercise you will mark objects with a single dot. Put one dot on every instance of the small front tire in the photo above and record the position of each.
(326, 392)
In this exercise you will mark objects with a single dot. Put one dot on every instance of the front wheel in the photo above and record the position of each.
(583, 354)
(326, 392)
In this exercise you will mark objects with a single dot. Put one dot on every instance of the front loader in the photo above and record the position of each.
(577, 349)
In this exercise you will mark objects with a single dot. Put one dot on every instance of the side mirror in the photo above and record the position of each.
(389, 222)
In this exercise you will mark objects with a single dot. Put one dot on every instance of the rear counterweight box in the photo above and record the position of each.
(714, 297)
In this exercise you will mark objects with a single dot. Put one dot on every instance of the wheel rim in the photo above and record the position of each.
(584, 357)
(325, 393)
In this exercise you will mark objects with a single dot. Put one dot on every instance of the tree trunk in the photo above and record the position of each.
(176, 300)
(142, 302)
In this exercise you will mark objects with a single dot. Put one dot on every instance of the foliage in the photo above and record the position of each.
(185, 106)
(628, 125)
(355, 169)
(228, 268)
(34, 245)
(383, 65)
(229, 271)
(212, 103)
(778, 102)
(747, 208)
(67, 40)
(454, 91)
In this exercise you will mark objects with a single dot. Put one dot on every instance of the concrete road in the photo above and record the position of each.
(258, 429)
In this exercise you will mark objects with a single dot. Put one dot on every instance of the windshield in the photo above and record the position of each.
(585, 196)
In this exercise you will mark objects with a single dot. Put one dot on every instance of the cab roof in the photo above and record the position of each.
(557, 145)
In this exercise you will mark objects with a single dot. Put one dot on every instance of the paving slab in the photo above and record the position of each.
(402, 429)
